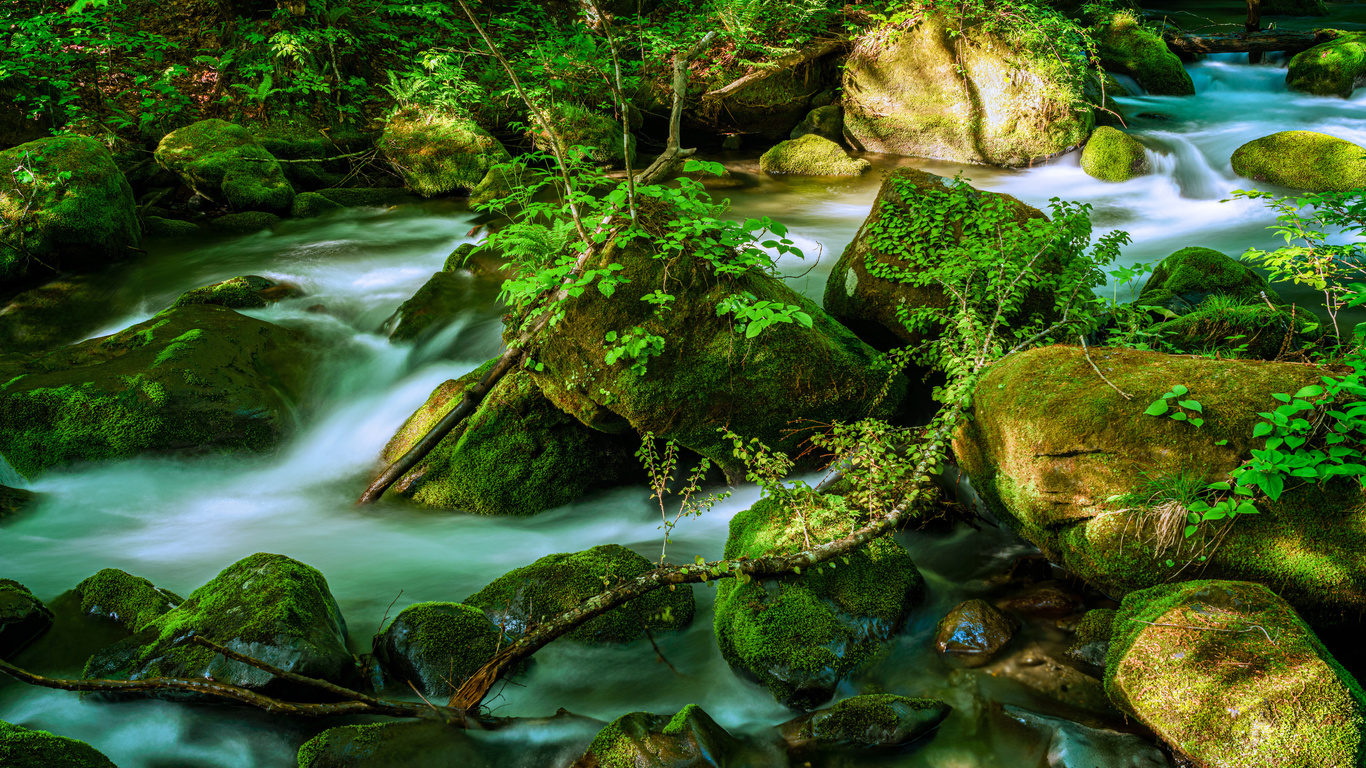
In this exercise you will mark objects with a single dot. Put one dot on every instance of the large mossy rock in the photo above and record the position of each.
(800, 635)
(439, 154)
(1186, 278)
(23, 617)
(1229, 675)
(826, 122)
(811, 155)
(436, 646)
(223, 162)
(1314, 162)
(244, 292)
(710, 373)
(64, 206)
(770, 107)
(192, 379)
(1129, 48)
(129, 600)
(1112, 155)
(438, 302)
(269, 607)
(1081, 472)
(58, 312)
(517, 454)
(1334, 68)
(557, 583)
(878, 721)
(597, 135)
(688, 739)
(875, 275)
(23, 748)
(930, 92)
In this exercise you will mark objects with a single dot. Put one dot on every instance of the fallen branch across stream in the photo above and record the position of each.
(1190, 46)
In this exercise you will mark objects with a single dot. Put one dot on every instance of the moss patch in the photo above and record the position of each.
(1112, 155)
(224, 163)
(1314, 162)
(130, 600)
(23, 748)
(875, 720)
(636, 739)
(811, 155)
(245, 223)
(1185, 278)
(245, 292)
(1334, 68)
(308, 205)
(23, 617)
(436, 646)
(1129, 48)
(439, 153)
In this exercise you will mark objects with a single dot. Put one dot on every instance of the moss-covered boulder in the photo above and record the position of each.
(1091, 637)
(224, 163)
(973, 632)
(1253, 331)
(160, 226)
(882, 269)
(439, 153)
(439, 301)
(1334, 68)
(393, 745)
(811, 155)
(1230, 676)
(15, 500)
(192, 379)
(710, 372)
(872, 721)
(313, 154)
(826, 122)
(557, 583)
(1112, 155)
(23, 748)
(935, 91)
(64, 206)
(1315, 162)
(129, 600)
(1081, 471)
(244, 292)
(517, 454)
(60, 311)
(308, 205)
(436, 646)
(1128, 47)
(690, 739)
(23, 617)
(800, 635)
(245, 223)
(267, 606)
(1182, 281)
(770, 107)
(597, 136)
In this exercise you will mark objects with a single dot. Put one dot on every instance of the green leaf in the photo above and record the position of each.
(1192, 405)
(1247, 508)
(752, 330)
(1284, 398)
(1313, 390)
(1178, 416)
(1261, 430)
(1179, 390)
(1221, 442)
(1157, 408)
(1198, 422)
(1190, 531)
(1220, 486)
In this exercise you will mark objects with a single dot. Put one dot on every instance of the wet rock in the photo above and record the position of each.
(224, 163)
(1315, 162)
(192, 379)
(1049, 599)
(557, 583)
(438, 302)
(14, 500)
(480, 262)
(69, 209)
(1036, 669)
(438, 153)
(1073, 745)
(436, 646)
(873, 721)
(800, 635)
(23, 617)
(1129, 48)
(245, 223)
(245, 292)
(1334, 68)
(1228, 674)
(132, 601)
(1112, 155)
(1092, 637)
(23, 748)
(930, 93)
(811, 155)
(689, 739)
(159, 226)
(58, 312)
(308, 205)
(973, 632)
(426, 744)
(824, 121)
(367, 197)
(517, 454)
(266, 606)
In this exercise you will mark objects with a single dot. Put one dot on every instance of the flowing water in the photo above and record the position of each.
(179, 521)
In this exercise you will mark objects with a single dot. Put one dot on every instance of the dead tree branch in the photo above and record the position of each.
(672, 151)
(1190, 46)
(809, 53)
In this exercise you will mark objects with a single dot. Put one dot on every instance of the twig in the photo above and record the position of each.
(1253, 628)
(308, 159)
(1087, 353)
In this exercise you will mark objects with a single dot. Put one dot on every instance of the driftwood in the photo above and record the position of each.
(809, 53)
(1191, 45)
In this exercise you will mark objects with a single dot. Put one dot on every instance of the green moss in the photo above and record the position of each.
(679, 722)
(23, 748)
(1334, 68)
(1198, 272)
(245, 223)
(156, 226)
(436, 646)
(224, 163)
(356, 741)
(243, 292)
(811, 155)
(130, 600)
(690, 737)
(826, 121)
(431, 308)
(1112, 155)
(1306, 160)
(23, 617)
(1129, 48)
(360, 197)
(598, 136)
(439, 153)
(557, 583)
(877, 720)
(1228, 674)
(1095, 626)
(308, 205)
(1267, 333)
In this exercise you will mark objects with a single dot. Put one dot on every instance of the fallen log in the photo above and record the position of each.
(810, 53)
(1190, 46)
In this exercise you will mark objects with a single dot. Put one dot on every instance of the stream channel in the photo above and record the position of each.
(178, 522)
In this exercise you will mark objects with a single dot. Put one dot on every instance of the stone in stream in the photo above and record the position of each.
(550, 741)
(439, 153)
(826, 122)
(1307, 160)
(308, 205)
(1184, 279)
(224, 163)
(132, 601)
(15, 500)
(192, 379)
(1126, 46)
(266, 606)
(245, 292)
(1073, 745)
(973, 632)
(800, 635)
(1049, 599)
(436, 646)
(689, 739)
(811, 155)
(1334, 68)
(1044, 675)
(245, 223)
(1229, 675)
(557, 583)
(24, 748)
(1091, 641)
(1112, 155)
(23, 617)
(868, 722)
(61, 311)
(438, 302)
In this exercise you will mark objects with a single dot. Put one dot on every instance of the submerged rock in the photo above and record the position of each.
(517, 454)
(65, 207)
(436, 646)
(1129, 48)
(689, 739)
(1112, 155)
(1315, 162)
(224, 163)
(439, 301)
(23, 748)
(1073, 745)
(800, 635)
(266, 606)
(132, 601)
(869, 722)
(973, 632)
(191, 379)
(245, 292)
(811, 155)
(556, 583)
(437, 153)
(1036, 669)
(1334, 68)
(1229, 675)
(14, 500)
(23, 617)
